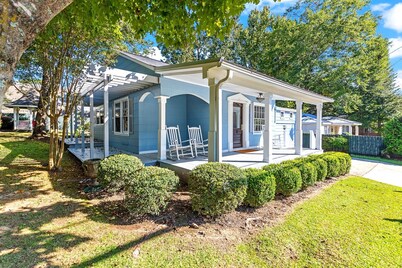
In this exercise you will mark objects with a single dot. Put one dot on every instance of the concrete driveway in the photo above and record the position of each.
(386, 173)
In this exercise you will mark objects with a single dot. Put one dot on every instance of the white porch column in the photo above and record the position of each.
(212, 137)
(357, 130)
(82, 129)
(162, 127)
(318, 131)
(215, 122)
(30, 119)
(91, 123)
(71, 128)
(298, 128)
(350, 130)
(106, 117)
(15, 118)
(268, 129)
(76, 125)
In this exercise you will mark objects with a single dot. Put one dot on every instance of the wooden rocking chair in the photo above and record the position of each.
(176, 145)
(195, 136)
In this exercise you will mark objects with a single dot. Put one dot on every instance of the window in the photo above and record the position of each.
(258, 118)
(291, 115)
(121, 116)
(99, 116)
(282, 115)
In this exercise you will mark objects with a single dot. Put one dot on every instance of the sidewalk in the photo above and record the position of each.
(382, 172)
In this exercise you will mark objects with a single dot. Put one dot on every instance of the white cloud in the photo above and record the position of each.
(380, 7)
(395, 47)
(393, 18)
(398, 80)
(276, 7)
(155, 53)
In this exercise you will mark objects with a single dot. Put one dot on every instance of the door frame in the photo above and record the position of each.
(239, 98)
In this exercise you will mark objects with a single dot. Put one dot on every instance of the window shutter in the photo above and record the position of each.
(130, 114)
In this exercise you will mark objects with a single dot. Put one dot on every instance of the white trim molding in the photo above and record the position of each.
(239, 98)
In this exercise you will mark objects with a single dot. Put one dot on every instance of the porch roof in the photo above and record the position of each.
(242, 80)
(332, 121)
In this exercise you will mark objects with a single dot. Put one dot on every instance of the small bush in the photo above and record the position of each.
(335, 143)
(150, 190)
(393, 136)
(345, 162)
(260, 187)
(288, 179)
(321, 167)
(217, 188)
(333, 165)
(115, 171)
(308, 174)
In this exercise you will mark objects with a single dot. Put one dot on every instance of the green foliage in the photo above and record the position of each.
(116, 171)
(217, 188)
(345, 161)
(335, 143)
(308, 173)
(288, 179)
(393, 136)
(150, 190)
(333, 165)
(260, 187)
(321, 167)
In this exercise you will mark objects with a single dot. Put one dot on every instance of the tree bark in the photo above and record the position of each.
(40, 119)
(20, 22)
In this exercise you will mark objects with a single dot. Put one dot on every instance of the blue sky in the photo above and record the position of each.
(390, 25)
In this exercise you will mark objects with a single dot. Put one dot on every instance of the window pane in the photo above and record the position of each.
(117, 115)
(125, 116)
(259, 121)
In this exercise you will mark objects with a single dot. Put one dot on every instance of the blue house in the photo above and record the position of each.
(133, 104)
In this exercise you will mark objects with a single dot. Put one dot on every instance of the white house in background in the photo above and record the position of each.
(24, 110)
(331, 125)
(234, 106)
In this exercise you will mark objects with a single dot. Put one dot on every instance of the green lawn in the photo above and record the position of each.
(378, 159)
(45, 222)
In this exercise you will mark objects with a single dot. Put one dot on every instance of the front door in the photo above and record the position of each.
(237, 125)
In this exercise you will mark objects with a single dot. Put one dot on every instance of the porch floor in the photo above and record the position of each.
(147, 159)
(252, 159)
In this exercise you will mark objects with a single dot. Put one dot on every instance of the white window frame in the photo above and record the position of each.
(121, 132)
(98, 109)
(257, 104)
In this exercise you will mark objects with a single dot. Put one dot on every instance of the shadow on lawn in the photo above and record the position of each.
(393, 220)
(26, 243)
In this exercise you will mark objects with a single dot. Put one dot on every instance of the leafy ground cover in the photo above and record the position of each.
(47, 220)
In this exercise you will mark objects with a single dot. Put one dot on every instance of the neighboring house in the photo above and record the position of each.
(23, 109)
(231, 104)
(331, 125)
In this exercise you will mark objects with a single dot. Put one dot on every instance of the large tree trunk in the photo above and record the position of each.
(20, 22)
(40, 119)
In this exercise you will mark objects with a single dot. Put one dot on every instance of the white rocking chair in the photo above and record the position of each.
(195, 136)
(176, 144)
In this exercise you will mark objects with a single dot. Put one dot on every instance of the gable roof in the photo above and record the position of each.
(331, 120)
(143, 60)
(30, 100)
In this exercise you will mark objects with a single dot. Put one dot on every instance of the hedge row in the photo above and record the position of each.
(218, 188)
(147, 190)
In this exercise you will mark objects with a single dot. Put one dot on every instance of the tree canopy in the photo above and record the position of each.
(330, 47)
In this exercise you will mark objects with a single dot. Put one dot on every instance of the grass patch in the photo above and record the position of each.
(378, 159)
(44, 221)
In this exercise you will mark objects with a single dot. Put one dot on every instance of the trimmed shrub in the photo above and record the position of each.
(115, 171)
(288, 179)
(308, 174)
(393, 136)
(150, 190)
(217, 188)
(333, 165)
(260, 187)
(345, 162)
(335, 143)
(321, 167)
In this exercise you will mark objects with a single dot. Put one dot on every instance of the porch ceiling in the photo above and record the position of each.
(243, 80)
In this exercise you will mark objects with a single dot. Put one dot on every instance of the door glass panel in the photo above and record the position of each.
(236, 117)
